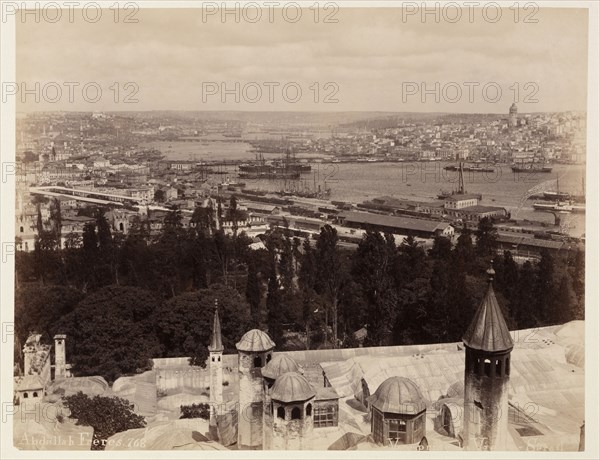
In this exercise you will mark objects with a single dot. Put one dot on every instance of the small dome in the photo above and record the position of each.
(280, 364)
(399, 396)
(292, 386)
(255, 340)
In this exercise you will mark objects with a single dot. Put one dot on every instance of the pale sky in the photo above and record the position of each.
(370, 55)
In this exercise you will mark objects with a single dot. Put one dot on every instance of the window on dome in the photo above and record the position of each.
(397, 430)
(309, 410)
(281, 413)
(296, 413)
(487, 368)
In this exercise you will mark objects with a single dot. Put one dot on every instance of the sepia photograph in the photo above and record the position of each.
(299, 226)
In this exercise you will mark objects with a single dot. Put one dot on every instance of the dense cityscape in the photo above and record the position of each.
(149, 243)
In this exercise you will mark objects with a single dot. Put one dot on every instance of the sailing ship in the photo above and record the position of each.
(562, 205)
(461, 186)
(558, 195)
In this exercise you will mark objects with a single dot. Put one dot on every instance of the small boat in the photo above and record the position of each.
(469, 168)
(558, 206)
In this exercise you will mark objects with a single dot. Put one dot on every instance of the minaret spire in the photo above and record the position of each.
(215, 362)
(488, 330)
(488, 345)
(216, 341)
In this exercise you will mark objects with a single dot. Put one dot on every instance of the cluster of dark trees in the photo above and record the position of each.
(200, 410)
(125, 299)
(106, 415)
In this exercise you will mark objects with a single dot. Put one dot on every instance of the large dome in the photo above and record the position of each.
(290, 387)
(255, 340)
(399, 396)
(280, 364)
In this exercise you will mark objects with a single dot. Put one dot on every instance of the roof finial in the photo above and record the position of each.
(490, 271)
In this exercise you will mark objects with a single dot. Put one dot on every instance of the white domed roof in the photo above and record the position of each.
(255, 340)
(292, 386)
(280, 364)
(398, 395)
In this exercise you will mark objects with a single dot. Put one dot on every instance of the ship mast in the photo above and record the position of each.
(461, 182)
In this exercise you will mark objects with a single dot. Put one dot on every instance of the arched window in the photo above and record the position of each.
(507, 369)
(257, 361)
(269, 357)
(487, 368)
(281, 413)
(309, 410)
(25, 395)
(296, 413)
(219, 358)
(213, 359)
(21, 229)
(499, 368)
(35, 394)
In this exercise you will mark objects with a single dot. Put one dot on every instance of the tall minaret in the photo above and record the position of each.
(216, 363)
(487, 369)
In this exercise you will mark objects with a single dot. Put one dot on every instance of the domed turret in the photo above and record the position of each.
(291, 412)
(255, 350)
(397, 412)
(255, 341)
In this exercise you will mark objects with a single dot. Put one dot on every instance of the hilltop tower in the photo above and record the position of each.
(60, 357)
(512, 115)
(487, 370)
(255, 350)
(215, 364)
